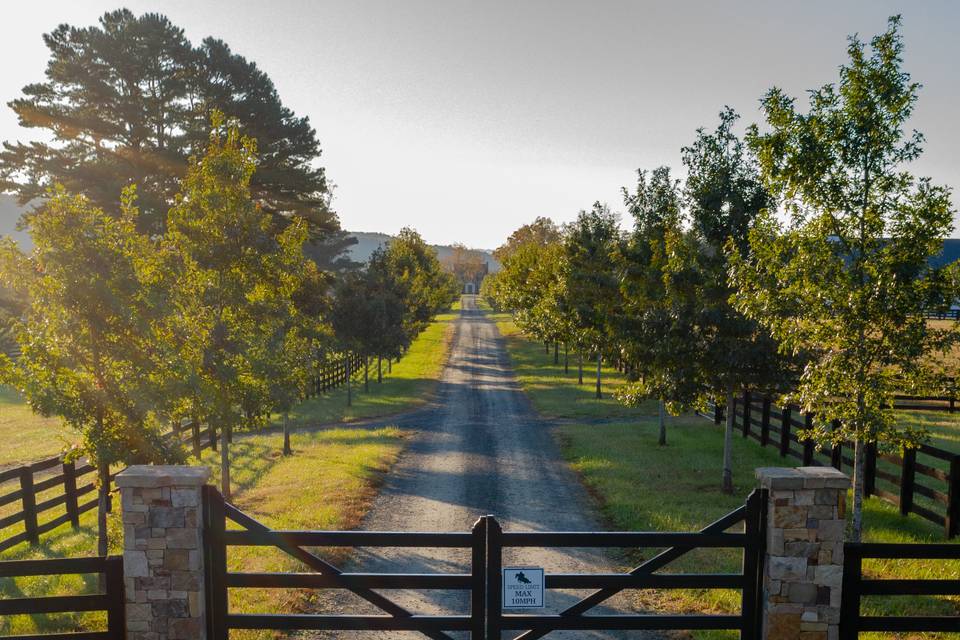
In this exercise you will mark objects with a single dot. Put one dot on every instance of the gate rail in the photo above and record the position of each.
(487, 542)
(855, 586)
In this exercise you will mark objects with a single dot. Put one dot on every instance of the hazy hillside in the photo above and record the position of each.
(368, 241)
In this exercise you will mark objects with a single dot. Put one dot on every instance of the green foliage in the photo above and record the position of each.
(847, 281)
(86, 338)
(542, 231)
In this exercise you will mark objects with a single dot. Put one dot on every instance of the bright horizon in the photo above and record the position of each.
(467, 120)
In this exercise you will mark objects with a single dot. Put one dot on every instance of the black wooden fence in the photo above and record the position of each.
(924, 481)
(40, 496)
(855, 587)
(111, 600)
(486, 541)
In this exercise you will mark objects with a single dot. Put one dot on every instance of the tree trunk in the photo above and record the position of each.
(349, 386)
(546, 346)
(225, 461)
(556, 352)
(663, 423)
(599, 365)
(859, 477)
(366, 374)
(566, 359)
(195, 427)
(389, 365)
(580, 368)
(103, 506)
(286, 435)
(213, 439)
(379, 369)
(727, 485)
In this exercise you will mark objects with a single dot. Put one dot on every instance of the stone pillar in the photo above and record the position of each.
(162, 551)
(803, 568)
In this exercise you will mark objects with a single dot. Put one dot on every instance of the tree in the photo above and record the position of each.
(128, 101)
(542, 231)
(848, 279)
(234, 277)
(655, 328)
(724, 196)
(592, 289)
(86, 338)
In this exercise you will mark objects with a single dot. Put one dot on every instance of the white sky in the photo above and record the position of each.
(466, 119)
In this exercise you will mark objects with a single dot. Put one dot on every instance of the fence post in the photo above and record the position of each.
(850, 607)
(70, 493)
(953, 499)
(836, 450)
(113, 581)
(753, 527)
(29, 501)
(785, 432)
(803, 567)
(870, 470)
(478, 590)
(746, 413)
(765, 422)
(494, 571)
(162, 551)
(808, 443)
(907, 477)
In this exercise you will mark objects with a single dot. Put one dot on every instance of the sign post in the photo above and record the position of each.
(523, 587)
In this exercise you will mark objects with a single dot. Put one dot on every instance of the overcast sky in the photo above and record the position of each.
(466, 119)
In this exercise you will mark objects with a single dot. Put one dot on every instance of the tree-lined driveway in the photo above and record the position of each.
(480, 449)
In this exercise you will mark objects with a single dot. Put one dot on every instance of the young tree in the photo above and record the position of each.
(724, 196)
(849, 278)
(128, 101)
(592, 289)
(232, 280)
(86, 338)
(655, 328)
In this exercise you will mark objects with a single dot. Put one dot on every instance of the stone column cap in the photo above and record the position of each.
(152, 476)
(787, 478)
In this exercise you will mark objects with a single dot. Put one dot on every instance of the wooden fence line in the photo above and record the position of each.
(757, 418)
(37, 480)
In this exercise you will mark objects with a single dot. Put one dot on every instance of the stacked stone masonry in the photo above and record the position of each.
(804, 556)
(162, 551)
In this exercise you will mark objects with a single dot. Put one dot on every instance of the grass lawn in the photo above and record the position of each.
(641, 486)
(26, 436)
(327, 484)
(557, 394)
(408, 385)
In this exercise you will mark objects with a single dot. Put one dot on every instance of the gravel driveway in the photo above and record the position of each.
(480, 449)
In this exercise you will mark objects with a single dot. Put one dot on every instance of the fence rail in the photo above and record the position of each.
(855, 586)
(55, 487)
(111, 600)
(924, 481)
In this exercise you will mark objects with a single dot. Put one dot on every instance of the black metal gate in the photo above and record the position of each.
(487, 542)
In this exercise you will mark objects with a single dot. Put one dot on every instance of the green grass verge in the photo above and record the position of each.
(327, 484)
(406, 386)
(555, 392)
(642, 486)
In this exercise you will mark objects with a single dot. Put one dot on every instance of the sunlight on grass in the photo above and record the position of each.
(26, 436)
(555, 393)
(328, 483)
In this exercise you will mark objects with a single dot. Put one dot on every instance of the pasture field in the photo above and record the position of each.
(26, 436)
(642, 486)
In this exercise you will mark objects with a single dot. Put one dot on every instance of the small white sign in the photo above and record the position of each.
(523, 588)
